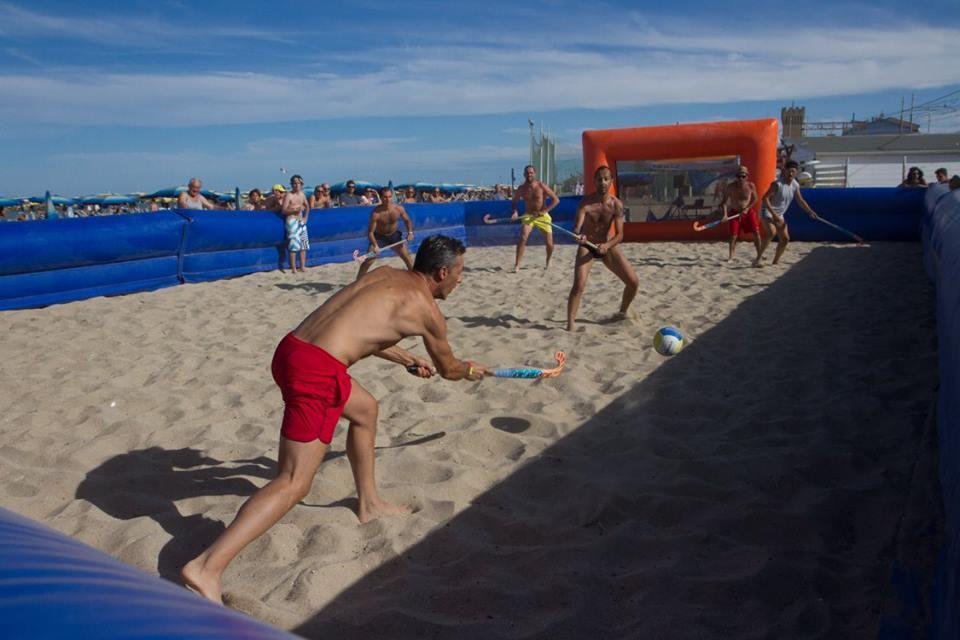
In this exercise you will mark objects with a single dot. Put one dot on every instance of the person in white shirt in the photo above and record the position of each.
(776, 201)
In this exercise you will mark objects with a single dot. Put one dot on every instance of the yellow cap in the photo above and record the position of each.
(278, 187)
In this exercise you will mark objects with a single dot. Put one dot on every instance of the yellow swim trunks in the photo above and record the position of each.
(541, 220)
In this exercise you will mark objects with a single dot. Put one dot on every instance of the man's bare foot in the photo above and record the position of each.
(195, 580)
(516, 269)
(380, 508)
(756, 264)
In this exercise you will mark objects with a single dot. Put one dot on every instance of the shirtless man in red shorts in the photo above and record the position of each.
(367, 318)
(739, 200)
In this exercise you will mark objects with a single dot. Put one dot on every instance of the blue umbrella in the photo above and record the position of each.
(55, 200)
(12, 202)
(341, 187)
(114, 200)
(173, 192)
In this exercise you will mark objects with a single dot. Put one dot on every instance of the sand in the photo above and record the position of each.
(753, 486)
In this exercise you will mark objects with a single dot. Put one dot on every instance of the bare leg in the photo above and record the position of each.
(548, 238)
(296, 465)
(733, 245)
(361, 410)
(756, 245)
(303, 260)
(581, 270)
(366, 264)
(521, 245)
(770, 230)
(783, 238)
(292, 257)
(621, 267)
(405, 256)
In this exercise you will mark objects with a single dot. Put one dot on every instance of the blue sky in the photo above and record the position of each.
(134, 95)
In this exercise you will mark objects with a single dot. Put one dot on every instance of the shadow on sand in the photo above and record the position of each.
(727, 494)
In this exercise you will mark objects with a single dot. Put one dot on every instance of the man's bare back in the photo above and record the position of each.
(351, 326)
(366, 318)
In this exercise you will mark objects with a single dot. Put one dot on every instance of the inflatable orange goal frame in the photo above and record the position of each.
(755, 141)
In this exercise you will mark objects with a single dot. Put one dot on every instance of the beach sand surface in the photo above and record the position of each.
(753, 486)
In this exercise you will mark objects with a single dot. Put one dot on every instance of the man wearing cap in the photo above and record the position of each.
(351, 198)
(739, 205)
(273, 201)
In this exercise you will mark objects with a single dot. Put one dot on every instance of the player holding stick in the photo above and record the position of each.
(594, 216)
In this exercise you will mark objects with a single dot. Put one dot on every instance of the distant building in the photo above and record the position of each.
(881, 126)
(794, 125)
(866, 160)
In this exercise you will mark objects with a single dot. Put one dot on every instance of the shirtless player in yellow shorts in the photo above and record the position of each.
(534, 194)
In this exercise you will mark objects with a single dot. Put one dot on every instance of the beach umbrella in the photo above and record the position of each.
(173, 192)
(116, 200)
(53, 199)
(12, 202)
(341, 187)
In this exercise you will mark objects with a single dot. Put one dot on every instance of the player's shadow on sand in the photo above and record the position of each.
(751, 486)
(506, 320)
(149, 482)
(653, 262)
(310, 287)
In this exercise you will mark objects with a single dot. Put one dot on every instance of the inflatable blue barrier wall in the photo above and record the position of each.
(52, 586)
(880, 215)
(223, 244)
(54, 261)
(480, 234)
(940, 234)
(51, 261)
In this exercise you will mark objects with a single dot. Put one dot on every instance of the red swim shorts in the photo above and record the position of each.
(748, 222)
(315, 388)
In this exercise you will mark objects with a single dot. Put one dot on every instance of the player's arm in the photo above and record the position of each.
(181, 200)
(723, 202)
(407, 221)
(554, 200)
(514, 201)
(769, 194)
(578, 219)
(617, 229)
(803, 205)
(415, 365)
(435, 341)
(206, 204)
(754, 198)
(371, 227)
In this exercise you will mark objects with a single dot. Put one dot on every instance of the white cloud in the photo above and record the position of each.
(257, 164)
(646, 69)
(16, 21)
